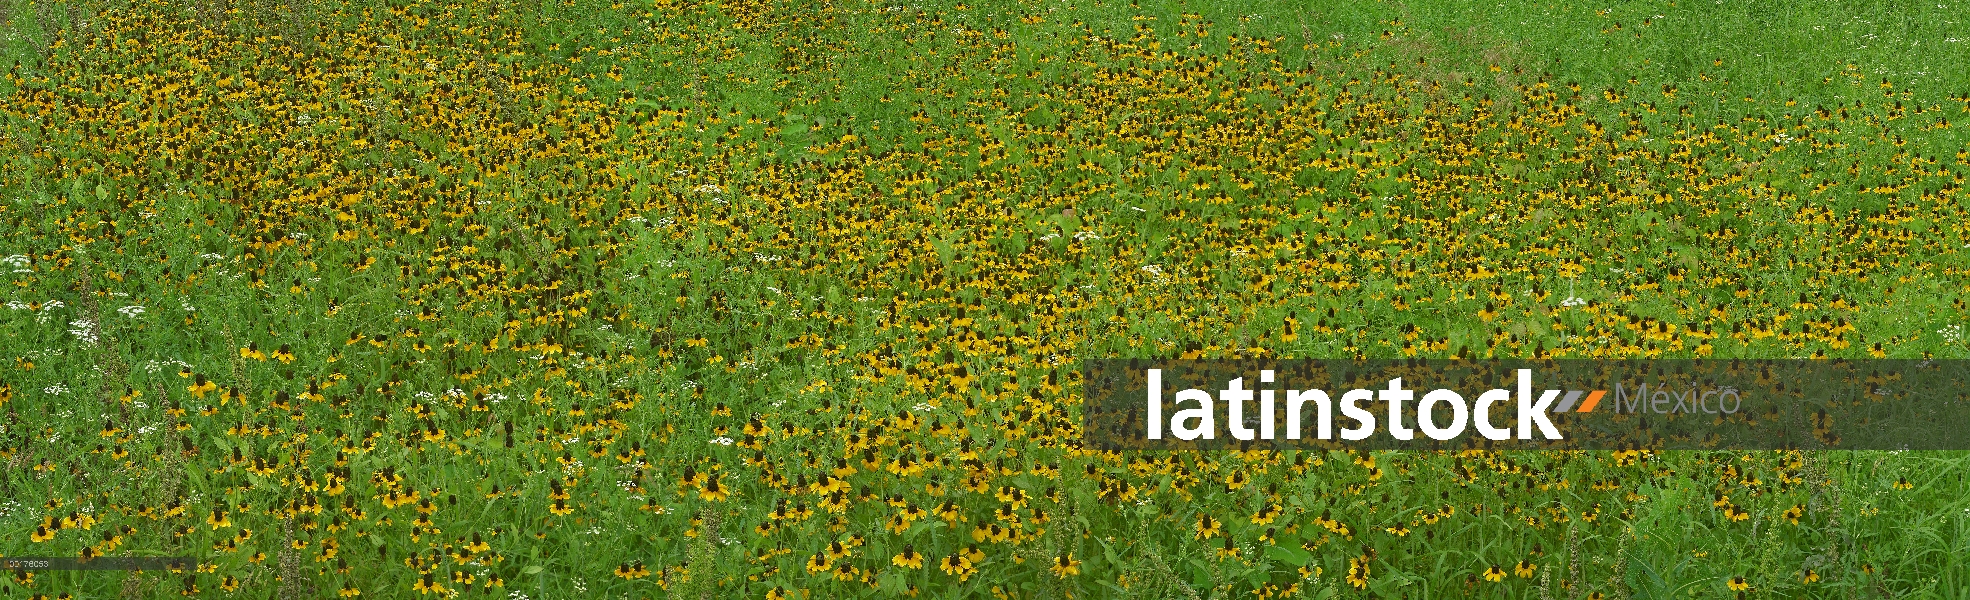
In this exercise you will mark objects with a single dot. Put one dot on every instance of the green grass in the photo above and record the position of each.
(620, 261)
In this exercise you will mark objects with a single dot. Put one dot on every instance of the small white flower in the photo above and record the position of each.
(83, 330)
(921, 407)
(1085, 235)
(708, 188)
(1152, 269)
(1049, 237)
(211, 256)
(16, 305)
(16, 260)
(55, 390)
(51, 305)
(1573, 301)
(722, 441)
(187, 306)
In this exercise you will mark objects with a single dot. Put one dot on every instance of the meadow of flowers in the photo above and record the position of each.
(783, 299)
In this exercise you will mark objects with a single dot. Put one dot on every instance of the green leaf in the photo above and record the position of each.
(531, 570)
(1108, 552)
(919, 528)
(1292, 556)
(891, 582)
(946, 247)
(1200, 574)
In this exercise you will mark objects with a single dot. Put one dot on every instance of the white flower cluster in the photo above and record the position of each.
(153, 366)
(131, 311)
(55, 390)
(18, 262)
(1952, 334)
(82, 330)
(709, 188)
(722, 441)
(1573, 301)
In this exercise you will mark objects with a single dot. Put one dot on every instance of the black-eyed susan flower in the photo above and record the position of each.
(956, 565)
(1230, 549)
(200, 387)
(1207, 527)
(909, 558)
(1065, 566)
(1525, 569)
